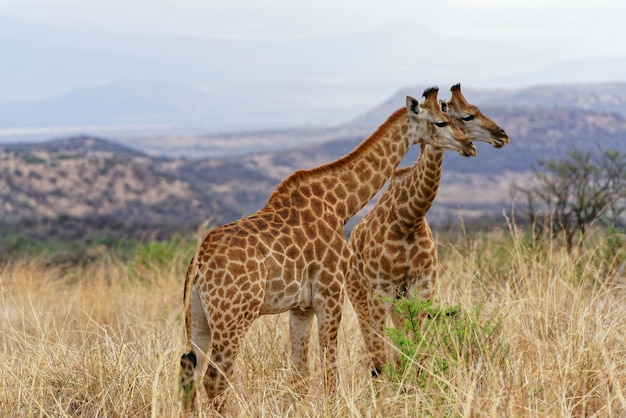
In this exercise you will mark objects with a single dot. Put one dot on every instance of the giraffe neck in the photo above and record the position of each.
(344, 186)
(414, 189)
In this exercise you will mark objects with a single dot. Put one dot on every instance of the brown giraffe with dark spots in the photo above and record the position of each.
(292, 256)
(394, 251)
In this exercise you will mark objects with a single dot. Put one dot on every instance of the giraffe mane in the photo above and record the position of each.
(401, 171)
(299, 175)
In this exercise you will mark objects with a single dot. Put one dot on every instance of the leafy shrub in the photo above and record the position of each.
(452, 342)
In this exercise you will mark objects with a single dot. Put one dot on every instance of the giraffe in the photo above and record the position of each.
(291, 255)
(394, 250)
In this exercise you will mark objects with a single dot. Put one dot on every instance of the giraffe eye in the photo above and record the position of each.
(468, 118)
(441, 124)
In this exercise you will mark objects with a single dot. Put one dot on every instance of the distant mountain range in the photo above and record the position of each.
(129, 108)
(64, 81)
(174, 120)
(81, 186)
(592, 97)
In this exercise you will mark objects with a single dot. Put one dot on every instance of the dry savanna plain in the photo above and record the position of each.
(519, 328)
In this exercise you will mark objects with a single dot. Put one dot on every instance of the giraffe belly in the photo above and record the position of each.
(281, 297)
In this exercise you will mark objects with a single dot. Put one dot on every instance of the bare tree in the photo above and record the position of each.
(568, 194)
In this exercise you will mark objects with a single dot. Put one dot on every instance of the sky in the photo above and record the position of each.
(547, 31)
(591, 27)
(540, 38)
(582, 28)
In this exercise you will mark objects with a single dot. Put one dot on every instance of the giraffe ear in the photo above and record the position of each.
(412, 105)
(444, 106)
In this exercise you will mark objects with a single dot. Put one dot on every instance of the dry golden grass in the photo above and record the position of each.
(105, 340)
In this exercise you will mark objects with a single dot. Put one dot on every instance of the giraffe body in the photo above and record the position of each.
(292, 256)
(395, 254)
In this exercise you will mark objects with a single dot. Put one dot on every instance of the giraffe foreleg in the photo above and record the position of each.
(328, 311)
(379, 310)
(359, 293)
(328, 329)
(300, 323)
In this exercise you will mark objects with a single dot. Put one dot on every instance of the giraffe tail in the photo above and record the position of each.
(190, 278)
(188, 360)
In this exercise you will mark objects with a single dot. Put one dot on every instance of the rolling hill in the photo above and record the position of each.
(82, 187)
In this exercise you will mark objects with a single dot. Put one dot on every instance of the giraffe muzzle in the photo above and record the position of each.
(500, 138)
(469, 150)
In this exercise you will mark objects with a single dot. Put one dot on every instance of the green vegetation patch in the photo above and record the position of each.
(453, 343)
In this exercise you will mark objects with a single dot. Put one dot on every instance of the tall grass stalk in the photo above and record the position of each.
(543, 334)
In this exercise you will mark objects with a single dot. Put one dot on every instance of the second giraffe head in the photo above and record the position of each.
(476, 125)
(435, 127)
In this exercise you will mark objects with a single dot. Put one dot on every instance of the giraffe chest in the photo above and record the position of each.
(394, 259)
(391, 273)
(398, 260)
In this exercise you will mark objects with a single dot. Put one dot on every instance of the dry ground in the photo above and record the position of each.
(105, 340)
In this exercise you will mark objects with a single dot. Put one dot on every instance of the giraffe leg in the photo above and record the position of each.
(217, 376)
(379, 310)
(371, 329)
(328, 311)
(328, 328)
(228, 331)
(300, 322)
(371, 313)
(359, 295)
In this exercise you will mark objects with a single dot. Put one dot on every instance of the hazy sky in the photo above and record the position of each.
(482, 43)
(514, 36)
(572, 28)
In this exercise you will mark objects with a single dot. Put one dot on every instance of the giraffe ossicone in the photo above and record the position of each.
(291, 255)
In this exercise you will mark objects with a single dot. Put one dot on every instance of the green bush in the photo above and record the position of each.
(451, 342)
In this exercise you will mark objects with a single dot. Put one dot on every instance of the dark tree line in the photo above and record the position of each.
(567, 195)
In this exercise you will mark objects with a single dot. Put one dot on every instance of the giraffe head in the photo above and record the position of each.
(471, 120)
(428, 124)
